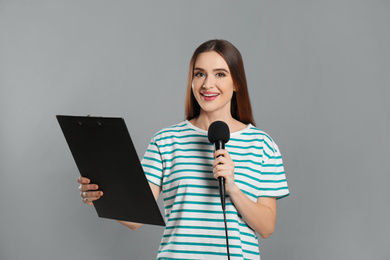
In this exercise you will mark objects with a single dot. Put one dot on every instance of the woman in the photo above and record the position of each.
(181, 163)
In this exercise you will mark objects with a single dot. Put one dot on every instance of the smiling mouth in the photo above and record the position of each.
(209, 95)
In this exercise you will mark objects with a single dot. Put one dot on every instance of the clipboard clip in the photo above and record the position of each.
(90, 125)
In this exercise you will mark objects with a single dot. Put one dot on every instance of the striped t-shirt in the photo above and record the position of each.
(179, 159)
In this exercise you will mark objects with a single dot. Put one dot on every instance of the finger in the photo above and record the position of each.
(89, 200)
(222, 152)
(223, 174)
(88, 187)
(83, 180)
(219, 167)
(91, 194)
(222, 160)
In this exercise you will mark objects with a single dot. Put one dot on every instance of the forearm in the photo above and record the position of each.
(131, 225)
(260, 217)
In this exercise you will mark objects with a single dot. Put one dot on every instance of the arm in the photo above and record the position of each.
(260, 215)
(134, 226)
(89, 193)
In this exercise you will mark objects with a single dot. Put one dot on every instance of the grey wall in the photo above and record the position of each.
(319, 80)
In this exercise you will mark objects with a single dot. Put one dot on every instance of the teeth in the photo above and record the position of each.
(210, 95)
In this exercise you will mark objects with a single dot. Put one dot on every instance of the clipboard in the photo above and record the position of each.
(104, 153)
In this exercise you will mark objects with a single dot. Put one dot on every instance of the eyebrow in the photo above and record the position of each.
(219, 69)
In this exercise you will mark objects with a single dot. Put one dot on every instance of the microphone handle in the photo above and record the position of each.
(221, 145)
(222, 191)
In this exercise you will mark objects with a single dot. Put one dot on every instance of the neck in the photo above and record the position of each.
(204, 120)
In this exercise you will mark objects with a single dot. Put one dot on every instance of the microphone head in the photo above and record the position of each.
(219, 131)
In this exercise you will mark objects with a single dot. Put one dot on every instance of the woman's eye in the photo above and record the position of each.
(220, 75)
(199, 74)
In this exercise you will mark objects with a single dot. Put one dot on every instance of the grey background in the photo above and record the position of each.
(318, 74)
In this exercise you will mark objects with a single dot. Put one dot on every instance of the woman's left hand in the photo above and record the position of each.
(223, 166)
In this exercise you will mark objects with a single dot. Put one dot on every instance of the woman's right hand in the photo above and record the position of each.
(88, 191)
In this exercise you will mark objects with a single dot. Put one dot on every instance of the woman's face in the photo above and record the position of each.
(212, 84)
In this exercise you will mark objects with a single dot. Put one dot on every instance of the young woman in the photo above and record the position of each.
(181, 163)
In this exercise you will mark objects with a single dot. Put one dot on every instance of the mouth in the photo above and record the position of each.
(208, 96)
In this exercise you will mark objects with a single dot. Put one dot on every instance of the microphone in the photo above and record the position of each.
(219, 134)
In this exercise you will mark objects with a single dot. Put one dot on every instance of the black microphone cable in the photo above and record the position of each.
(222, 193)
(219, 134)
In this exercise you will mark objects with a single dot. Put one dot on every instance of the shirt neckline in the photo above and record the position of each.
(205, 132)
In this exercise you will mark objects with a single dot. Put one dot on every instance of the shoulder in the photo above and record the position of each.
(254, 133)
(173, 130)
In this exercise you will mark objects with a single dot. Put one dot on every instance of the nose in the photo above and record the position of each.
(208, 82)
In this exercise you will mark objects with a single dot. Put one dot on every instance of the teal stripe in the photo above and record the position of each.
(191, 194)
(208, 245)
(211, 228)
(199, 227)
(244, 147)
(188, 157)
(272, 149)
(259, 132)
(273, 165)
(203, 219)
(189, 178)
(171, 258)
(245, 154)
(184, 143)
(198, 203)
(187, 150)
(188, 163)
(202, 236)
(274, 189)
(151, 166)
(199, 252)
(173, 130)
(249, 194)
(152, 151)
(247, 184)
(213, 236)
(250, 252)
(248, 176)
(272, 157)
(247, 161)
(249, 169)
(199, 244)
(275, 196)
(272, 173)
(273, 181)
(204, 211)
(179, 125)
(152, 159)
(190, 186)
(244, 140)
(249, 243)
(153, 175)
(188, 170)
(180, 136)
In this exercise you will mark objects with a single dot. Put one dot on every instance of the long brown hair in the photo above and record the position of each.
(240, 103)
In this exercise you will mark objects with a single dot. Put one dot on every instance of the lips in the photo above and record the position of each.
(209, 96)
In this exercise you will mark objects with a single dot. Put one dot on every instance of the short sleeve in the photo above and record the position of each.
(273, 179)
(152, 164)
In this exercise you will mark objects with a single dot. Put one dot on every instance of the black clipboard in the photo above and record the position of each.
(104, 153)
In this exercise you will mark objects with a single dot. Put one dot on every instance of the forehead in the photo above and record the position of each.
(210, 60)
